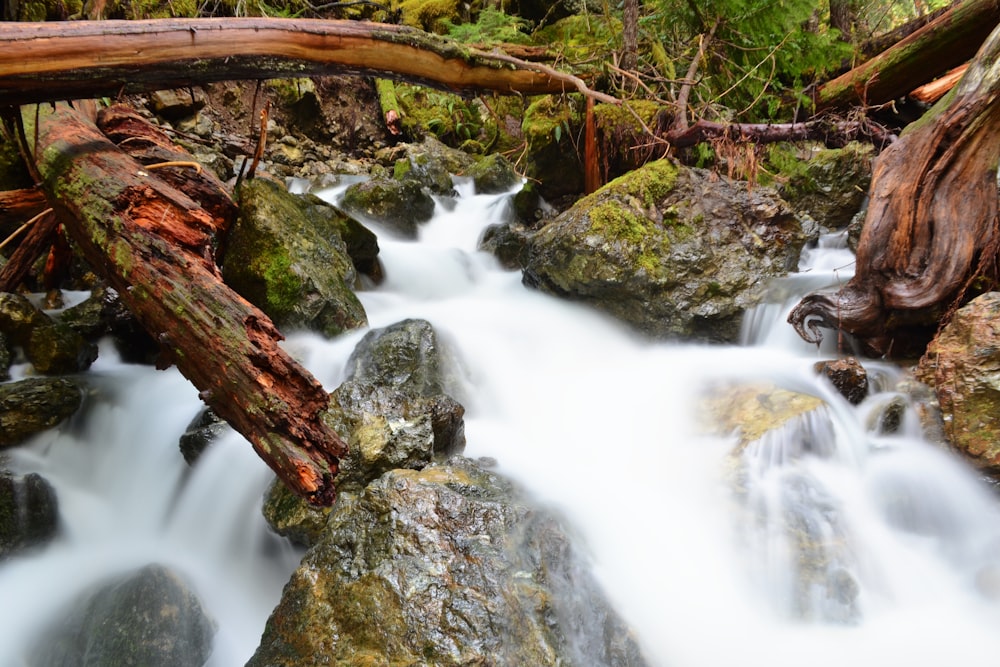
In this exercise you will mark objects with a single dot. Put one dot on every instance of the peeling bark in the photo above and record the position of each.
(153, 244)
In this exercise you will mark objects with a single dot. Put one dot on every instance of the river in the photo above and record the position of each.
(595, 423)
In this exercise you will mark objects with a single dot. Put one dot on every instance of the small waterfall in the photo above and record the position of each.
(829, 541)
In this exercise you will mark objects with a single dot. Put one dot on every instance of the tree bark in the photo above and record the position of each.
(945, 42)
(831, 133)
(931, 234)
(42, 62)
(153, 244)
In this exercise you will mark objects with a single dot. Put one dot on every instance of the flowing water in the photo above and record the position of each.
(836, 547)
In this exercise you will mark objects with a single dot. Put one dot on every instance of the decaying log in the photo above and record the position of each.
(50, 61)
(830, 132)
(154, 246)
(929, 93)
(944, 43)
(931, 234)
(35, 243)
(16, 206)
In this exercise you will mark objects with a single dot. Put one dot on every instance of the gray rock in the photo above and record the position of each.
(150, 618)
(29, 513)
(53, 348)
(493, 174)
(400, 205)
(392, 411)
(285, 255)
(832, 185)
(34, 405)
(673, 251)
(199, 434)
(446, 566)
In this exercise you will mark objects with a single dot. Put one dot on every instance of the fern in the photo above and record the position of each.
(491, 27)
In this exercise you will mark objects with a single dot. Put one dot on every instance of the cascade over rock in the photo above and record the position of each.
(675, 252)
(29, 512)
(445, 566)
(149, 617)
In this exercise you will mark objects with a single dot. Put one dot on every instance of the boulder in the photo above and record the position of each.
(103, 314)
(446, 566)
(149, 617)
(199, 434)
(6, 358)
(34, 405)
(962, 365)
(285, 254)
(832, 184)
(847, 376)
(675, 252)
(398, 204)
(493, 174)
(29, 512)
(394, 412)
(53, 348)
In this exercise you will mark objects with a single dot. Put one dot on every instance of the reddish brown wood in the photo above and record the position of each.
(938, 88)
(36, 242)
(18, 206)
(149, 145)
(153, 244)
(85, 59)
(931, 234)
(946, 42)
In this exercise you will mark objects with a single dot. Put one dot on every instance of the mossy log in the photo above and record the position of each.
(49, 61)
(931, 234)
(944, 43)
(153, 244)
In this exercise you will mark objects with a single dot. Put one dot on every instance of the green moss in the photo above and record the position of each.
(549, 118)
(431, 15)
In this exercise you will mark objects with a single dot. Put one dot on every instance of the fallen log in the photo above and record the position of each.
(16, 206)
(42, 62)
(929, 93)
(931, 236)
(833, 133)
(153, 244)
(944, 43)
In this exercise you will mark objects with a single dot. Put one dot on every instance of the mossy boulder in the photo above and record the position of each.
(149, 617)
(831, 185)
(29, 513)
(398, 204)
(675, 252)
(34, 405)
(962, 365)
(52, 347)
(493, 174)
(549, 125)
(285, 254)
(444, 566)
(102, 315)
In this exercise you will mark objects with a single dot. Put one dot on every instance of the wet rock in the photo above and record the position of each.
(6, 358)
(150, 618)
(285, 254)
(104, 314)
(446, 566)
(848, 376)
(29, 513)
(673, 251)
(509, 243)
(832, 184)
(432, 164)
(400, 205)
(886, 416)
(199, 434)
(493, 174)
(291, 517)
(34, 405)
(962, 364)
(53, 348)
(393, 411)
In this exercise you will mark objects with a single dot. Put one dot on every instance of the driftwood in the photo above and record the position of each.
(153, 244)
(931, 234)
(944, 43)
(41, 62)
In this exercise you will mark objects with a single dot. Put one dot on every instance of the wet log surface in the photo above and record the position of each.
(931, 234)
(153, 244)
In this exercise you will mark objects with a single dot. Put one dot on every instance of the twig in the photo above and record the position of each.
(23, 227)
